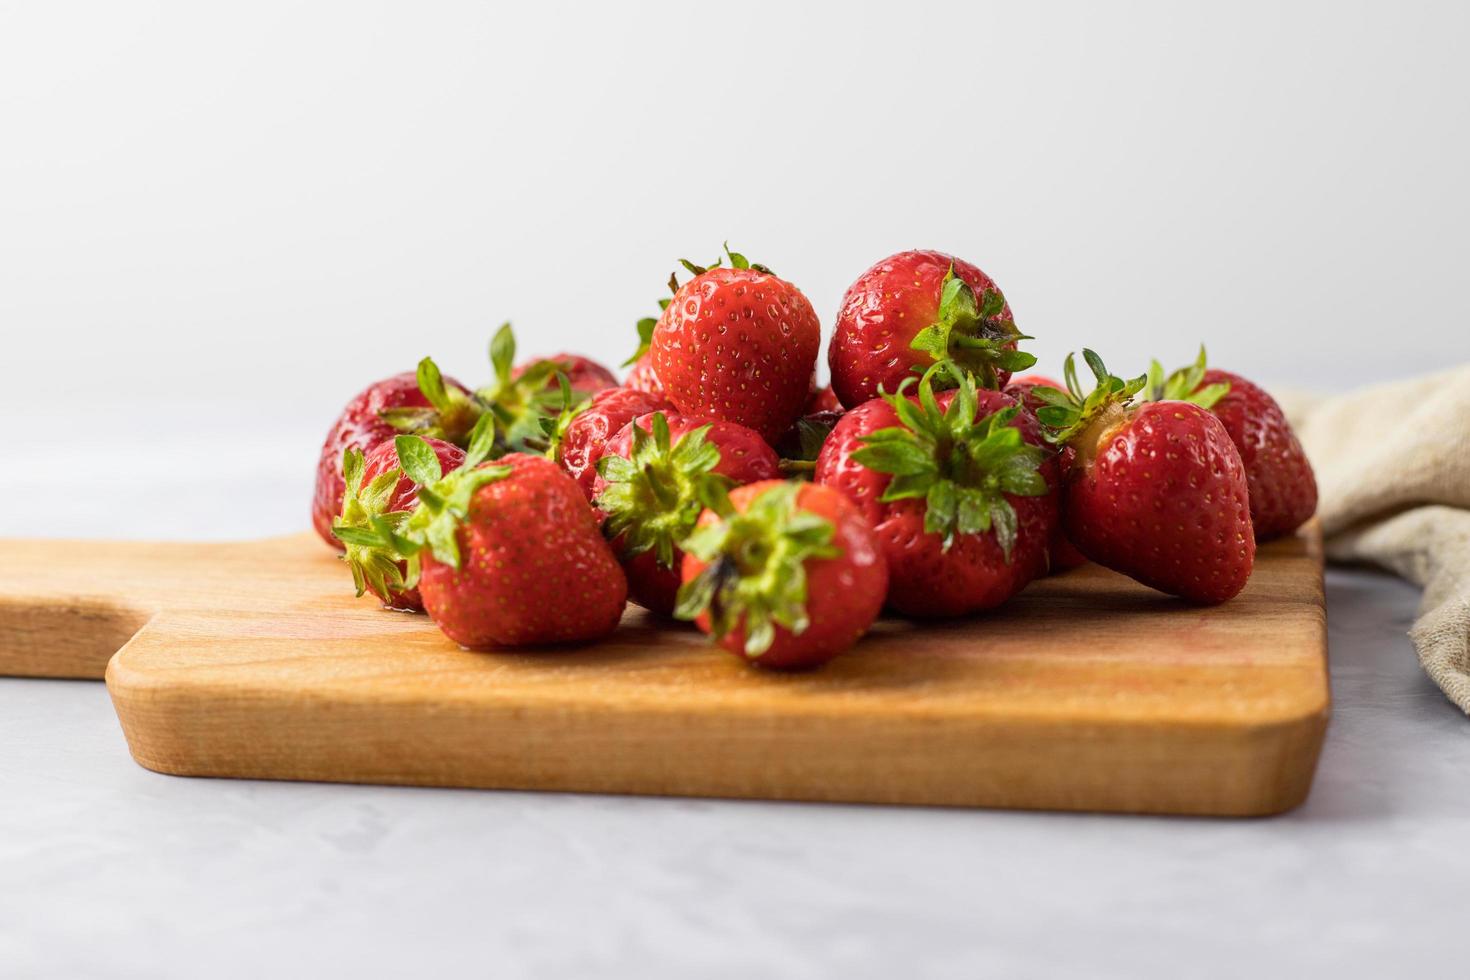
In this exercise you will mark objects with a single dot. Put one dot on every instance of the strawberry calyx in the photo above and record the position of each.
(737, 261)
(555, 427)
(960, 466)
(655, 495)
(444, 498)
(755, 578)
(971, 331)
(1184, 385)
(519, 403)
(366, 527)
(1072, 418)
(450, 414)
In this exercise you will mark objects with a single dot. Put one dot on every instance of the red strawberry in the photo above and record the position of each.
(580, 439)
(959, 487)
(1156, 491)
(643, 378)
(784, 575)
(822, 399)
(1064, 554)
(738, 344)
(511, 553)
(361, 427)
(655, 477)
(913, 309)
(1283, 489)
(584, 375)
(378, 490)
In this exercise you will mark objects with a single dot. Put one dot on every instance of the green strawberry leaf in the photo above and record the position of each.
(961, 466)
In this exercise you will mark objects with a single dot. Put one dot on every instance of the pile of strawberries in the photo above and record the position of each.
(718, 484)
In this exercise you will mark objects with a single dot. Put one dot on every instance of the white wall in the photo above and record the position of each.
(217, 223)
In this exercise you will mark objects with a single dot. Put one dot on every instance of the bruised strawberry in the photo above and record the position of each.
(959, 487)
(585, 375)
(361, 427)
(738, 344)
(378, 490)
(1063, 553)
(1283, 488)
(509, 554)
(655, 477)
(1157, 491)
(912, 310)
(579, 441)
(783, 575)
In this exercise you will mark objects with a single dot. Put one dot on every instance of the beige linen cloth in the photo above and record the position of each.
(1393, 471)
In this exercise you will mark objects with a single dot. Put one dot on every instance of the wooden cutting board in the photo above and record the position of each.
(1087, 692)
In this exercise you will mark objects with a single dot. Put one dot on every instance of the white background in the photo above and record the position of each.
(217, 222)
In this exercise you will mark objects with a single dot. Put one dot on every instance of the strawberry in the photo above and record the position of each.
(959, 487)
(1063, 553)
(643, 377)
(655, 477)
(581, 432)
(361, 427)
(1156, 491)
(585, 375)
(508, 553)
(822, 399)
(1283, 489)
(783, 575)
(738, 344)
(378, 489)
(914, 309)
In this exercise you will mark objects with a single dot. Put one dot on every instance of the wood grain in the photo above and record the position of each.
(1088, 692)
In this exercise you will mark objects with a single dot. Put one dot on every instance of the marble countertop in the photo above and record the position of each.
(110, 870)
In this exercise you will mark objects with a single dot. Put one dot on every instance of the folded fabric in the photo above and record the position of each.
(1393, 472)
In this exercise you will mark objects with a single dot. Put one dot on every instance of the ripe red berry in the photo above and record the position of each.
(788, 576)
(1156, 491)
(960, 488)
(912, 310)
(738, 344)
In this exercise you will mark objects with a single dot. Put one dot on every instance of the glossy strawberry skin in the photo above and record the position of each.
(880, 314)
(925, 580)
(1063, 553)
(534, 568)
(844, 594)
(1283, 489)
(379, 460)
(586, 437)
(738, 345)
(744, 458)
(583, 373)
(1165, 501)
(359, 427)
